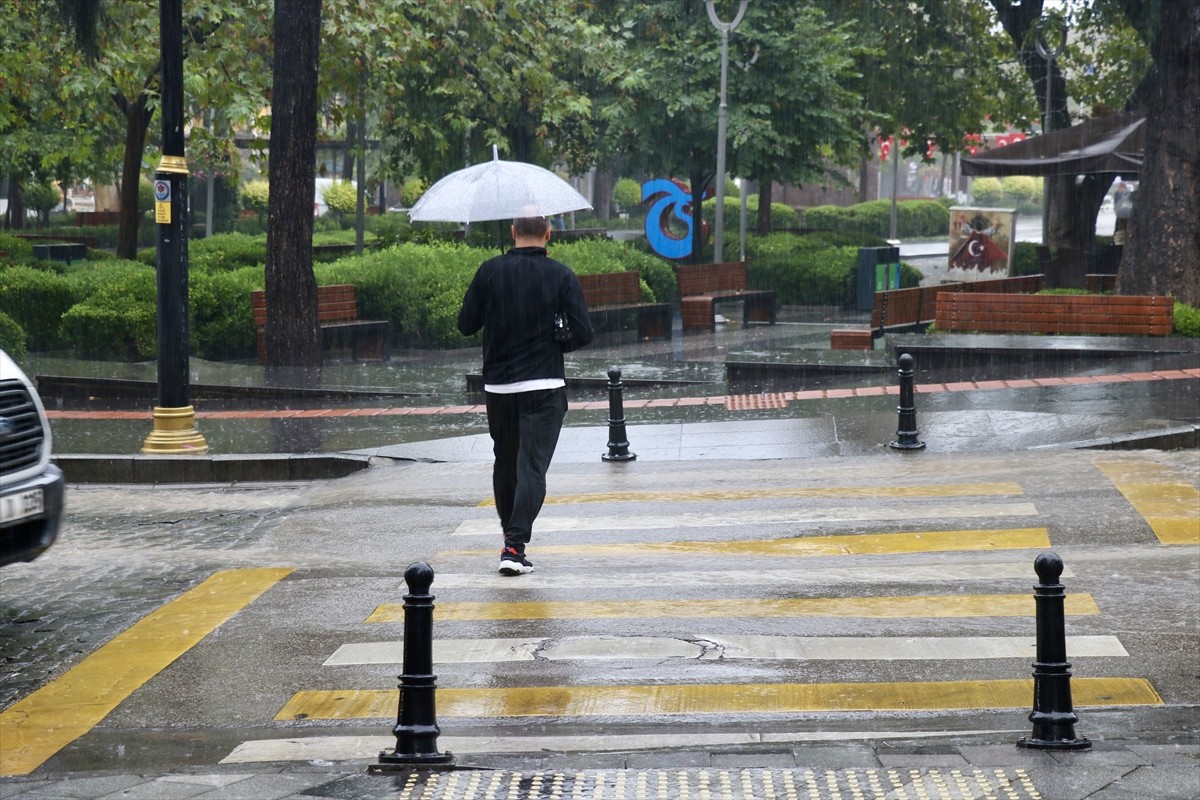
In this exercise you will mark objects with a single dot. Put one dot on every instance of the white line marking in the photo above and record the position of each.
(921, 573)
(708, 647)
(348, 748)
(625, 522)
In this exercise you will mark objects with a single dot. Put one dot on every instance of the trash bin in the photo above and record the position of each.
(878, 270)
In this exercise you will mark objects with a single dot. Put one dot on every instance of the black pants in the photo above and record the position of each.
(524, 429)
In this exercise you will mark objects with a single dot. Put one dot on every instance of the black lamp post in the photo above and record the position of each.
(174, 418)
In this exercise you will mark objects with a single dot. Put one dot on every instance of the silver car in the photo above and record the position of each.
(31, 488)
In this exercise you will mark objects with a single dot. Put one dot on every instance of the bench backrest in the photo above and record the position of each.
(335, 303)
(611, 289)
(910, 306)
(695, 279)
(1141, 315)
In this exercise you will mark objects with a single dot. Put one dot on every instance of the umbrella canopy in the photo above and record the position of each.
(497, 190)
(1112, 144)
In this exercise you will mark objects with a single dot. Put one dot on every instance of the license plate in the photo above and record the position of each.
(19, 506)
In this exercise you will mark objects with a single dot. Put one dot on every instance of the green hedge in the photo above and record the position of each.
(812, 269)
(914, 218)
(36, 300)
(12, 337)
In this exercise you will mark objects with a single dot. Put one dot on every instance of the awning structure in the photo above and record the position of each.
(1112, 144)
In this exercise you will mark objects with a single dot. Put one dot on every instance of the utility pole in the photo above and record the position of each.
(722, 122)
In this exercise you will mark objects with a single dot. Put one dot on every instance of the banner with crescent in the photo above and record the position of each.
(981, 242)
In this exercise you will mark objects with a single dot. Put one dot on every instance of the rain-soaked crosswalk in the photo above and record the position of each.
(717, 610)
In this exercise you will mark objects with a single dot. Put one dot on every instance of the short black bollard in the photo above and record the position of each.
(906, 428)
(1053, 717)
(416, 728)
(618, 446)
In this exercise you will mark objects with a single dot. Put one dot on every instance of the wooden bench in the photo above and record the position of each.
(337, 314)
(1055, 314)
(614, 296)
(702, 286)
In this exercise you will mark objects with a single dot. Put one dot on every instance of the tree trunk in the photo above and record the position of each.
(1162, 243)
(763, 224)
(292, 334)
(16, 205)
(137, 122)
(602, 186)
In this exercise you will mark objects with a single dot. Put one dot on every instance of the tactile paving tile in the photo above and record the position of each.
(720, 784)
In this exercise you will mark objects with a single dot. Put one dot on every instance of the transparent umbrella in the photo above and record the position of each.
(497, 190)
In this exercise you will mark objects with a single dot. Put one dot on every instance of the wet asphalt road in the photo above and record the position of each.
(128, 550)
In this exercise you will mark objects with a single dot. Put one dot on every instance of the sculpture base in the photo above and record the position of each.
(175, 434)
(1055, 744)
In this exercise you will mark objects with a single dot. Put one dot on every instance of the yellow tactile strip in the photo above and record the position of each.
(926, 606)
(788, 493)
(722, 784)
(759, 698)
(1170, 505)
(39, 725)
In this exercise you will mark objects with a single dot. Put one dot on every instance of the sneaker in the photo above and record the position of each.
(514, 563)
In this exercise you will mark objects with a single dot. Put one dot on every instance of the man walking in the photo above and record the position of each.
(531, 310)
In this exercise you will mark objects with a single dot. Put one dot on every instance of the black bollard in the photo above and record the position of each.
(906, 428)
(416, 728)
(1053, 717)
(618, 446)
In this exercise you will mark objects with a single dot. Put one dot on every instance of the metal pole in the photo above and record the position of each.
(1053, 716)
(906, 429)
(416, 728)
(1049, 55)
(174, 418)
(618, 445)
(722, 114)
(742, 220)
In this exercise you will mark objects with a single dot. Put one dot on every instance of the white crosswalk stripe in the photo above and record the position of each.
(712, 647)
(548, 523)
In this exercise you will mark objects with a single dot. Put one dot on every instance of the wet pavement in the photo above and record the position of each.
(1011, 450)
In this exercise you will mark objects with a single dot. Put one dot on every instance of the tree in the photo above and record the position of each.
(1167, 217)
(788, 113)
(292, 333)
(1163, 246)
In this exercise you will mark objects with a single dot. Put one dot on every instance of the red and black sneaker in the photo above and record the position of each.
(514, 563)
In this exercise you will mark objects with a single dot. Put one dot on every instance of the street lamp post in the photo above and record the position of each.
(1049, 56)
(723, 112)
(174, 430)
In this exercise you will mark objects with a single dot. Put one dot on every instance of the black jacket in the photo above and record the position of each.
(514, 298)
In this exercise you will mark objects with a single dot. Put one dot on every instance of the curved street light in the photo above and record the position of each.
(722, 114)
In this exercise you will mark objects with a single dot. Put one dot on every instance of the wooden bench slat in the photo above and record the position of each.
(1140, 315)
(337, 314)
(610, 295)
(702, 286)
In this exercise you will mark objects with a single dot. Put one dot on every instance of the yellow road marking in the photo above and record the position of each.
(810, 546)
(759, 698)
(1171, 507)
(39, 725)
(952, 605)
(924, 490)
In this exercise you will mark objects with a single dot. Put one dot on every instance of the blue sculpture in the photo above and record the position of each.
(677, 197)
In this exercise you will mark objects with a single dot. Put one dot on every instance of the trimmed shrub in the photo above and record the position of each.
(226, 251)
(595, 256)
(1022, 189)
(342, 198)
(414, 187)
(117, 317)
(36, 300)
(256, 197)
(627, 194)
(987, 191)
(221, 323)
(914, 218)
(1187, 321)
(12, 338)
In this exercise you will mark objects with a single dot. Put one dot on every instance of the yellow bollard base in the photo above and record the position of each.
(175, 433)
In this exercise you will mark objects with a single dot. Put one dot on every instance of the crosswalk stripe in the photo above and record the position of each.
(809, 576)
(629, 522)
(775, 698)
(1170, 506)
(934, 606)
(807, 546)
(40, 724)
(713, 495)
(709, 647)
